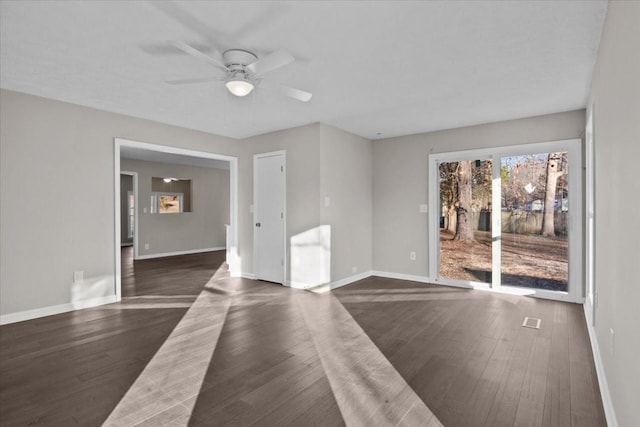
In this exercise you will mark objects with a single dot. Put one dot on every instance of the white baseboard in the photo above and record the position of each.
(331, 286)
(297, 285)
(401, 276)
(348, 280)
(607, 403)
(249, 276)
(188, 252)
(54, 309)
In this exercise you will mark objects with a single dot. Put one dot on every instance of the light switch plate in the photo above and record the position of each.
(424, 208)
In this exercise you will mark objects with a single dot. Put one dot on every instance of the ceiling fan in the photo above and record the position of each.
(243, 70)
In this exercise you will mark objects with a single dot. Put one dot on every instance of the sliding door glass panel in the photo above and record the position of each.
(534, 213)
(465, 220)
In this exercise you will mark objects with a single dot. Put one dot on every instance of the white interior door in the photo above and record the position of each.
(269, 214)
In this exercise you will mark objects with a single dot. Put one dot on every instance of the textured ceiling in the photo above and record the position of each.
(377, 69)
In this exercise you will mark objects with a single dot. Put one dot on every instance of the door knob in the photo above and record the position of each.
(257, 224)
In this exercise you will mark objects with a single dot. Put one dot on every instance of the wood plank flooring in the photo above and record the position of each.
(465, 353)
(190, 346)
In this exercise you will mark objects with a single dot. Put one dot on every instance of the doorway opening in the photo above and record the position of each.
(508, 219)
(166, 218)
(128, 212)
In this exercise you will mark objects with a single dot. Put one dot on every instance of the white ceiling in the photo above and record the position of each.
(376, 68)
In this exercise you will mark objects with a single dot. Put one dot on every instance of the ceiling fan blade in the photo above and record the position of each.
(297, 94)
(211, 59)
(179, 13)
(192, 81)
(166, 49)
(274, 60)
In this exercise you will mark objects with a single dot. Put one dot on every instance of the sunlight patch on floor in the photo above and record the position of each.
(367, 388)
(163, 384)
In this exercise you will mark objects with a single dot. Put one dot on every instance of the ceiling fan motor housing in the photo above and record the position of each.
(238, 58)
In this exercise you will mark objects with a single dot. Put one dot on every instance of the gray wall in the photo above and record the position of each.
(126, 185)
(346, 162)
(321, 161)
(201, 228)
(45, 142)
(400, 180)
(302, 146)
(615, 94)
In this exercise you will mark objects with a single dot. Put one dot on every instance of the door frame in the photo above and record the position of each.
(591, 291)
(575, 291)
(234, 261)
(254, 209)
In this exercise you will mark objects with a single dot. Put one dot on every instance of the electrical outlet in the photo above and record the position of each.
(412, 256)
(146, 246)
(354, 269)
(78, 276)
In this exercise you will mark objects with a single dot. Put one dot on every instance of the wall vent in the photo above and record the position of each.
(531, 322)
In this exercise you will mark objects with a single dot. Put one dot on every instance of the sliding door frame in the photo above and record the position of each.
(575, 291)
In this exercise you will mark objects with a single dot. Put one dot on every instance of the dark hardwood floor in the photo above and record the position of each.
(188, 345)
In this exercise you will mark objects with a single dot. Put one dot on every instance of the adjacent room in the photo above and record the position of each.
(415, 213)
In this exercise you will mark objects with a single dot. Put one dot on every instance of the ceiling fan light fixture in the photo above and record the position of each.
(239, 86)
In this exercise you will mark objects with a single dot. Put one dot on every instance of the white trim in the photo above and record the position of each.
(51, 310)
(433, 232)
(402, 276)
(118, 241)
(187, 252)
(300, 285)
(232, 243)
(282, 153)
(349, 280)
(234, 261)
(330, 286)
(591, 292)
(477, 286)
(607, 402)
(249, 276)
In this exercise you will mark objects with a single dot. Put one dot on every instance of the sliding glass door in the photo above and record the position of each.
(535, 208)
(465, 220)
(508, 218)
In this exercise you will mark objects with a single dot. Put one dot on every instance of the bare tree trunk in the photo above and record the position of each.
(464, 230)
(548, 225)
(451, 219)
